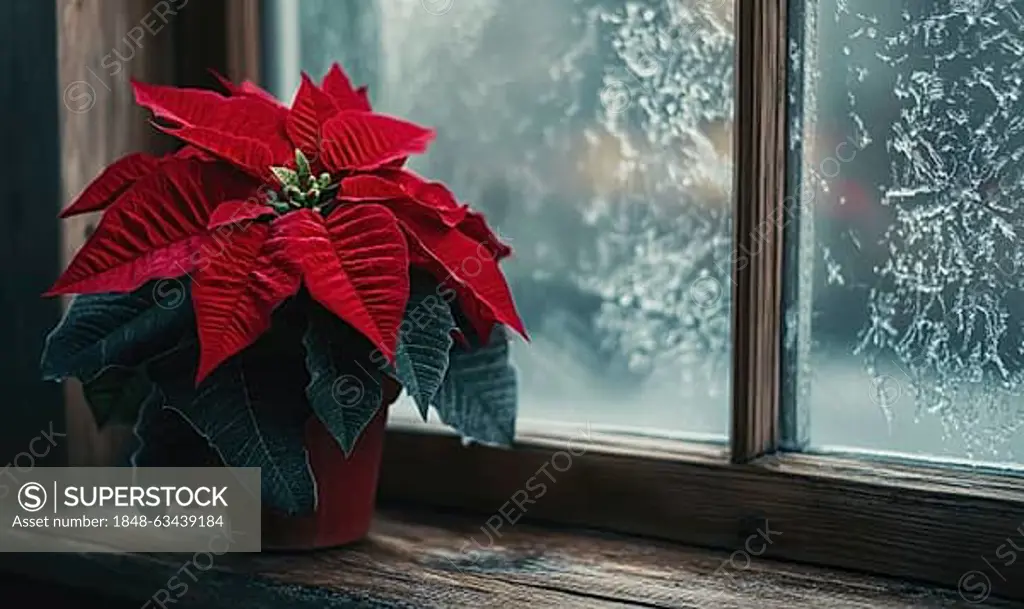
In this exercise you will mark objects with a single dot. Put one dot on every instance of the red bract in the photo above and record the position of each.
(250, 221)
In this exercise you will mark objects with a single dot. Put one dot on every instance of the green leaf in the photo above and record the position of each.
(251, 410)
(155, 438)
(344, 390)
(479, 395)
(117, 395)
(156, 431)
(99, 331)
(281, 207)
(161, 437)
(164, 438)
(302, 163)
(425, 340)
(287, 177)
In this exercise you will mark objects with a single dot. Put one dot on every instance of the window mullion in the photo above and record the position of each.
(759, 190)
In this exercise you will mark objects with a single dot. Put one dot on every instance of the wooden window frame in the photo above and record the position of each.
(939, 525)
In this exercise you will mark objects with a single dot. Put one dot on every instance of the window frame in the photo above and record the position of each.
(929, 523)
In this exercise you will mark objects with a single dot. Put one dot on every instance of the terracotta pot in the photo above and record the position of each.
(346, 489)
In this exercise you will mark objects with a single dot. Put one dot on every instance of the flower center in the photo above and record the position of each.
(299, 187)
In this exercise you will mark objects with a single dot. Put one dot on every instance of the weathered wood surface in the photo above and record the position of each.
(23, 592)
(102, 44)
(244, 40)
(760, 145)
(416, 559)
(916, 523)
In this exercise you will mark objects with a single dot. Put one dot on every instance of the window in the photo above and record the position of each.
(614, 195)
(767, 256)
(913, 144)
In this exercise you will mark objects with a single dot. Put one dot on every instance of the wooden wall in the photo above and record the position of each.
(101, 45)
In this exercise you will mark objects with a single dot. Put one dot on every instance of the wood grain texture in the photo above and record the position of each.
(20, 591)
(914, 523)
(422, 559)
(244, 40)
(220, 35)
(759, 190)
(102, 44)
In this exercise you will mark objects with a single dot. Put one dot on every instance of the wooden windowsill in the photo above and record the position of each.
(426, 559)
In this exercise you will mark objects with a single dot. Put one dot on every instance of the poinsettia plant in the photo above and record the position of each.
(283, 264)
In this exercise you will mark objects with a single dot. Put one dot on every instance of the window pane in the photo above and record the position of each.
(913, 138)
(596, 136)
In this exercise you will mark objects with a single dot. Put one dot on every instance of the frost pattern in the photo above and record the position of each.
(666, 302)
(939, 86)
(595, 134)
